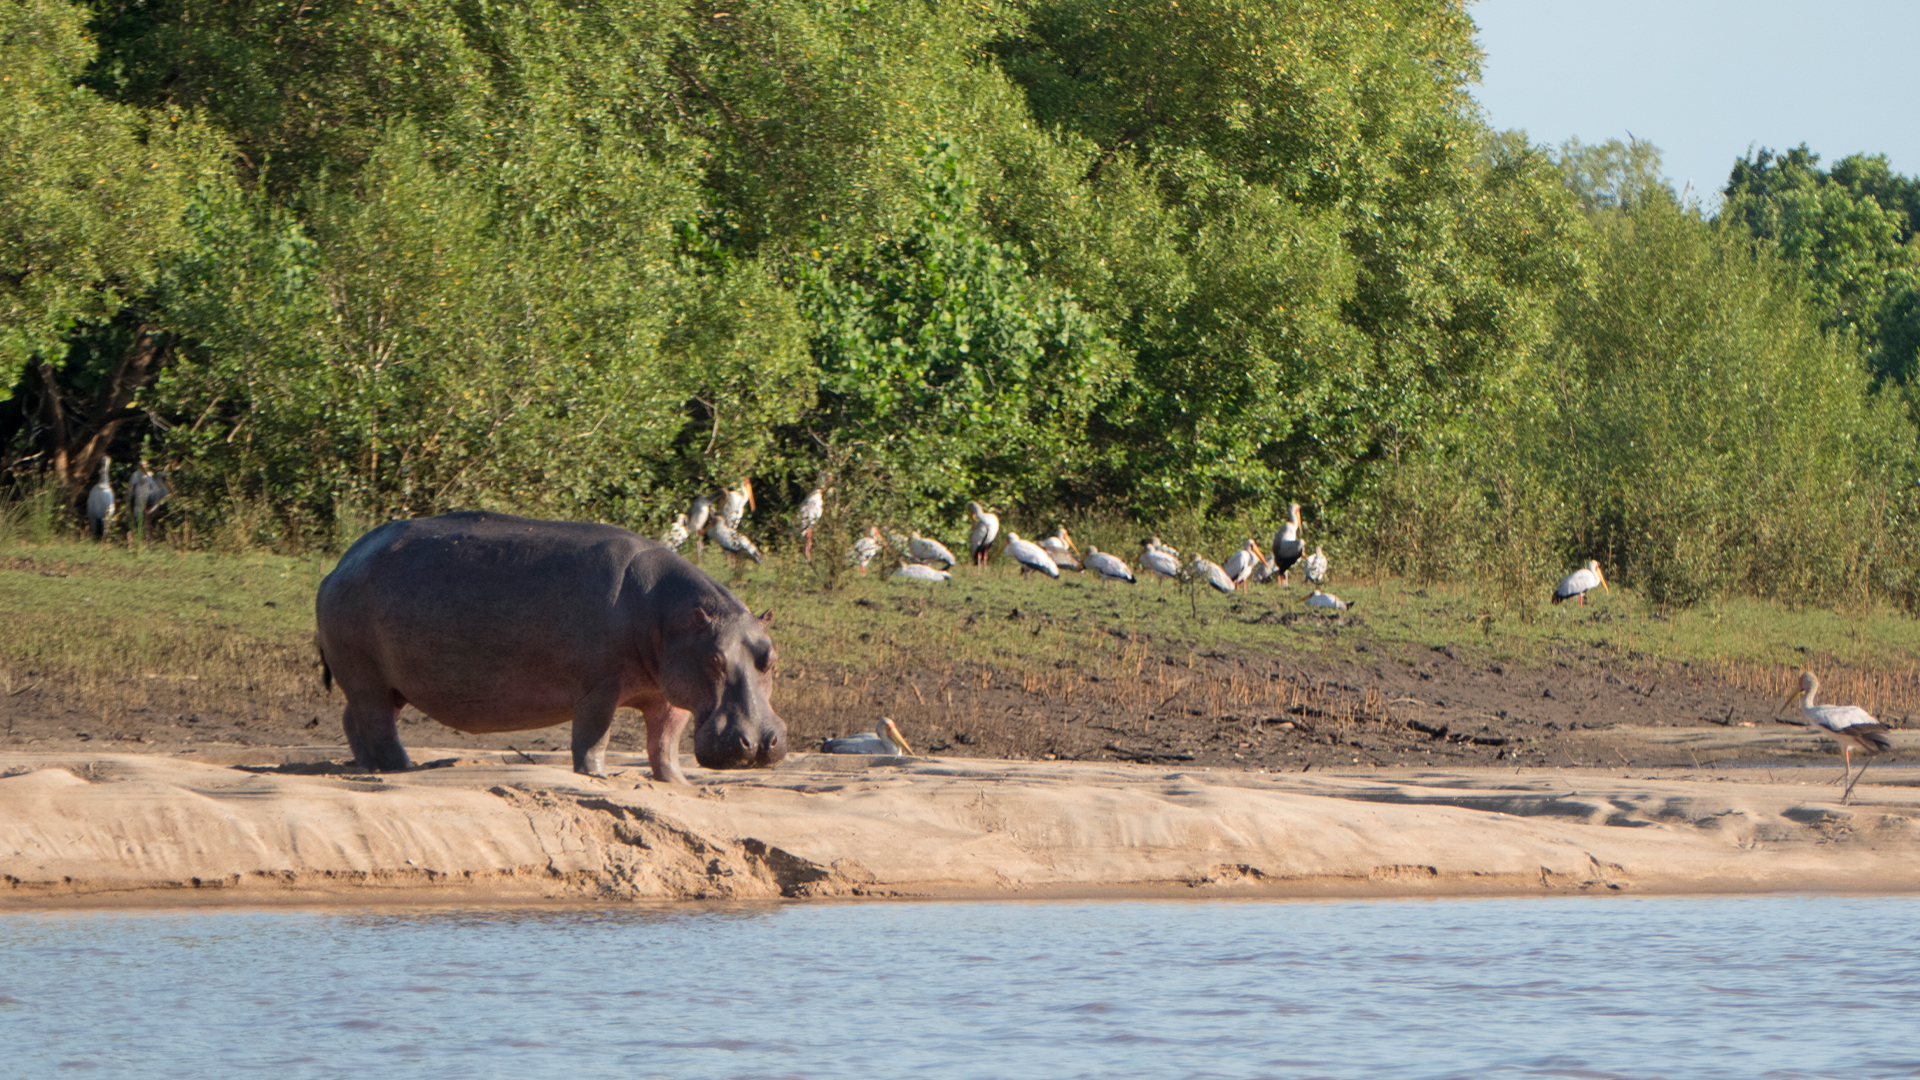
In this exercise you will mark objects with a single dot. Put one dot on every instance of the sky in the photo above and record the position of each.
(1707, 81)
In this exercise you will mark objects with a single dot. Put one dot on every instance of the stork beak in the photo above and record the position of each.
(1784, 702)
(747, 482)
(894, 731)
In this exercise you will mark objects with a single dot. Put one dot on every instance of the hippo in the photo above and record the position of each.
(488, 622)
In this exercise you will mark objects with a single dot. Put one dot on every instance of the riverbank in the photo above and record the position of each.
(297, 826)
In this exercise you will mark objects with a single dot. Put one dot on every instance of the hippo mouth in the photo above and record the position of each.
(721, 742)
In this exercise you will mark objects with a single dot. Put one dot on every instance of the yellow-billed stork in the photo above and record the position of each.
(811, 508)
(865, 548)
(1107, 566)
(980, 538)
(886, 739)
(1580, 583)
(1030, 556)
(1853, 727)
(922, 549)
(1287, 547)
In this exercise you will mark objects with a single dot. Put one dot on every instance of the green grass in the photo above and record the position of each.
(91, 612)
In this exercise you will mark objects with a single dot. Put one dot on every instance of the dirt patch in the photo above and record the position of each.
(1382, 707)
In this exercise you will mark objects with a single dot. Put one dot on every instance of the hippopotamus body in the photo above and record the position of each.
(488, 622)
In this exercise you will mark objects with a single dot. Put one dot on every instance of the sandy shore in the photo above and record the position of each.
(291, 826)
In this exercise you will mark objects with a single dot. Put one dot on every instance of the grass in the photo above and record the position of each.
(122, 628)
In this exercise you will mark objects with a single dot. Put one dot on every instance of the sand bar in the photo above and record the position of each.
(292, 826)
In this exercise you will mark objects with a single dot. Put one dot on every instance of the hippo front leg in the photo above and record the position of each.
(665, 725)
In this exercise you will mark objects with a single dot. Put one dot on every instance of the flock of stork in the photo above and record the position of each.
(717, 519)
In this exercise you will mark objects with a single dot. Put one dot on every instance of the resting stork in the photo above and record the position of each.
(1159, 560)
(1030, 556)
(1108, 567)
(922, 550)
(810, 510)
(1287, 547)
(1062, 550)
(100, 501)
(886, 739)
(1321, 601)
(913, 571)
(1211, 572)
(1853, 727)
(1580, 583)
(980, 538)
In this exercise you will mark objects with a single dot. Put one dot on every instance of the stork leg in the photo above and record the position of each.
(1855, 780)
(809, 551)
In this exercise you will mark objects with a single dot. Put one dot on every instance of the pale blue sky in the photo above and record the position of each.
(1705, 79)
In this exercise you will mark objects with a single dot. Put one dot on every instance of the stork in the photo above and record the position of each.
(1108, 567)
(731, 541)
(1853, 727)
(736, 501)
(1580, 583)
(810, 510)
(145, 494)
(865, 548)
(922, 550)
(1317, 567)
(699, 516)
(100, 501)
(886, 739)
(1030, 556)
(1062, 550)
(1160, 560)
(1240, 566)
(1211, 572)
(677, 534)
(1321, 601)
(980, 538)
(1287, 547)
(913, 571)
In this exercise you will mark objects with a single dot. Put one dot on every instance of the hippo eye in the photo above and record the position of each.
(717, 663)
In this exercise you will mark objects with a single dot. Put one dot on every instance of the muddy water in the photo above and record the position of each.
(1777, 987)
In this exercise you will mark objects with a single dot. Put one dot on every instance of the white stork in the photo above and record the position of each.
(1030, 556)
(980, 538)
(1317, 567)
(913, 571)
(731, 541)
(677, 533)
(1160, 560)
(1853, 727)
(865, 548)
(922, 550)
(1241, 565)
(811, 508)
(1580, 583)
(1211, 572)
(735, 503)
(1287, 547)
(1321, 601)
(1108, 567)
(886, 739)
(1062, 550)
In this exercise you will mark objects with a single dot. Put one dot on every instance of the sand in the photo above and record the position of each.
(291, 826)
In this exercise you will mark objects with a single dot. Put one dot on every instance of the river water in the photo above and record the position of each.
(1757, 987)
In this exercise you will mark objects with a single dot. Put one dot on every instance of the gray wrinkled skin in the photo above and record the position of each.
(490, 623)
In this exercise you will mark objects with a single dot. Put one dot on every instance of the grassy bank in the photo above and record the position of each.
(121, 631)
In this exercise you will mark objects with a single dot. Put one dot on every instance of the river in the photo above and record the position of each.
(1751, 987)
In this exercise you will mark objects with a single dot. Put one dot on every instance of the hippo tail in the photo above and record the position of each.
(326, 673)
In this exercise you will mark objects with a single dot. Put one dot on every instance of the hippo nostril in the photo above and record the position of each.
(745, 744)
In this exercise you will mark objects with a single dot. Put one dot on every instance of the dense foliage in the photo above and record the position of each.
(344, 259)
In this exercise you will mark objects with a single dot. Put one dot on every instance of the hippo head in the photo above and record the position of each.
(720, 668)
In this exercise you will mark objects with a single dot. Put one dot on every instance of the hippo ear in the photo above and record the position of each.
(767, 618)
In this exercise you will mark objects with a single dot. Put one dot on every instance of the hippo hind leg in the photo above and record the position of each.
(592, 729)
(373, 733)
